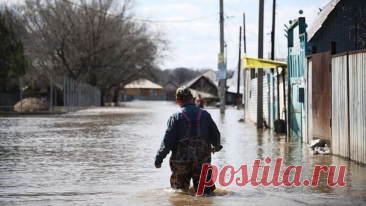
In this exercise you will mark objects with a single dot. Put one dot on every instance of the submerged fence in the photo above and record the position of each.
(79, 96)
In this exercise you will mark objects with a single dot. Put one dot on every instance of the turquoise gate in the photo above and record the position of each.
(296, 73)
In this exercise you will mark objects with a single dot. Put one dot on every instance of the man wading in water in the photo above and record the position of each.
(189, 136)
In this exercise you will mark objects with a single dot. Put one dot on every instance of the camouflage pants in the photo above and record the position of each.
(183, 172)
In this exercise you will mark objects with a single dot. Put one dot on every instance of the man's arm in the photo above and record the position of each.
(215, 135)
(168, 142)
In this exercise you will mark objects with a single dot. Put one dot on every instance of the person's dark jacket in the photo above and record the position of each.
(177, 126)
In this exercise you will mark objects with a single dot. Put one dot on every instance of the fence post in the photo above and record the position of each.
(94, 91)
(21, 94)
(84, 101)
(68, 94)
(55, 99)
(72, 94)
(64, 87)
(77, 96)
(82, 96)
(89, 95)
(65, 95)
(51, 92)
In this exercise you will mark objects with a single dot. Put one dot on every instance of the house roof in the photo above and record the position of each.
(142, 84)
(194, 80)
(170, 82)
(210, 74)
(322, 16)
(203, 94)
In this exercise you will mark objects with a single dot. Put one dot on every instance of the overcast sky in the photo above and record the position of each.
(195, 44)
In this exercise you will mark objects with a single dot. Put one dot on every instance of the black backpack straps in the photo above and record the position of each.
(189, 123)
(199, 123)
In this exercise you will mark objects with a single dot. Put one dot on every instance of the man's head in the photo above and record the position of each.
(183, 96)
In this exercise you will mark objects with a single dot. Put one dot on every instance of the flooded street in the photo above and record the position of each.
(105, 156)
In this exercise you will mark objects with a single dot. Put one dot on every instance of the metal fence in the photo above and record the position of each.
(340, 124)
(9, 99)
(357, 106)
(309, 112)
(349, 106)
(253, 99)
(79, 96)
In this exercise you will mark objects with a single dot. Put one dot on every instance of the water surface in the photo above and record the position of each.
(105, 156)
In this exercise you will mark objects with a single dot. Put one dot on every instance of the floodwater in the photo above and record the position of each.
(105, 156)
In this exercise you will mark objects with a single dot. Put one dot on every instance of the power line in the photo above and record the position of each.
(178, 21)
(234, 22)
(142, 20)
(232, 7)
(227, 31)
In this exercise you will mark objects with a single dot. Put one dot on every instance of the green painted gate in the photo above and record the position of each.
(296, 79)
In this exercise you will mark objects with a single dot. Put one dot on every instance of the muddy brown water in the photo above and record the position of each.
(105, 156)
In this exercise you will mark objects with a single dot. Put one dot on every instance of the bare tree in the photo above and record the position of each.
(95, 41)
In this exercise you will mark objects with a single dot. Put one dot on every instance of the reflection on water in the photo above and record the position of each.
(106, 156)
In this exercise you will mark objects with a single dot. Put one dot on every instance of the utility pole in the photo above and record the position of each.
(273, 40)
(222, 81)
(238, 99)
(260, 71)
(273, 31)
(244, 35)
(246, 78)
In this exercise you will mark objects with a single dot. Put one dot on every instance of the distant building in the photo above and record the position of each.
(231, 94)
(142, 89)
(211, 74)
(204, 86)
(169, 90)
(232, 87)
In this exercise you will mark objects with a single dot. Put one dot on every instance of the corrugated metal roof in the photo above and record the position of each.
(142, 84)
(322, 16)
